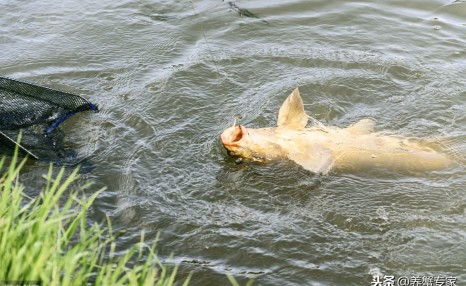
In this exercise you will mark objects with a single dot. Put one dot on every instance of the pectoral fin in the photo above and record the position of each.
(364, 126)
(316, 159)
(291, 114)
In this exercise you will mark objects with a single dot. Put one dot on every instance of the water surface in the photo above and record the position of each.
(169, 77)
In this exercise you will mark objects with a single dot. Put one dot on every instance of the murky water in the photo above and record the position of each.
(169, 76)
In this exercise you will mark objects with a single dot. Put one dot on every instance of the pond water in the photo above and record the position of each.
(170, 76)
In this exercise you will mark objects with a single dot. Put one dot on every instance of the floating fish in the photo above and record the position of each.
(321, 149)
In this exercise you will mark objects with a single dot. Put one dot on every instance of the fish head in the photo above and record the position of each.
(265, 143)
(237, 141)
(249, 143)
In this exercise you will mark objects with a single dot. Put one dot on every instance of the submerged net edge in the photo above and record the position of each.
(66, 101)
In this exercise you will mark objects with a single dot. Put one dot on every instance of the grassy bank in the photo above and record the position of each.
(47, 239)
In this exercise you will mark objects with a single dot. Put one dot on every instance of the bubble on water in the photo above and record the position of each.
(382, 213)
(375, 272)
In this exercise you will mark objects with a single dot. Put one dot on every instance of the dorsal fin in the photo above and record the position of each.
(364, 126)
(291, 114)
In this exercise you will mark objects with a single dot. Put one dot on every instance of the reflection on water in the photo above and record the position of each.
(169, 78)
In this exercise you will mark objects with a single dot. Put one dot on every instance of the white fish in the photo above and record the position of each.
(320, 148)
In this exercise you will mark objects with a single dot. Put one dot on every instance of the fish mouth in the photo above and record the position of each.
(232, 136)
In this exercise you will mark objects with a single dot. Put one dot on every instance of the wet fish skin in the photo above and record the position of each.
(321, 149)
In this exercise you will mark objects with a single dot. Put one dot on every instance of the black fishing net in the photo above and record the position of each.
(36, 112)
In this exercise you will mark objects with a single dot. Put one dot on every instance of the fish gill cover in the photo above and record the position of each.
(36, 112)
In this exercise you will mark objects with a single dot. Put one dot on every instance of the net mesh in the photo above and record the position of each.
(37, 112)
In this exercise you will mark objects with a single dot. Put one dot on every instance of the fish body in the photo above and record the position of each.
(321, 149)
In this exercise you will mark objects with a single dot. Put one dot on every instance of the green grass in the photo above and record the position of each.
(48, 239)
